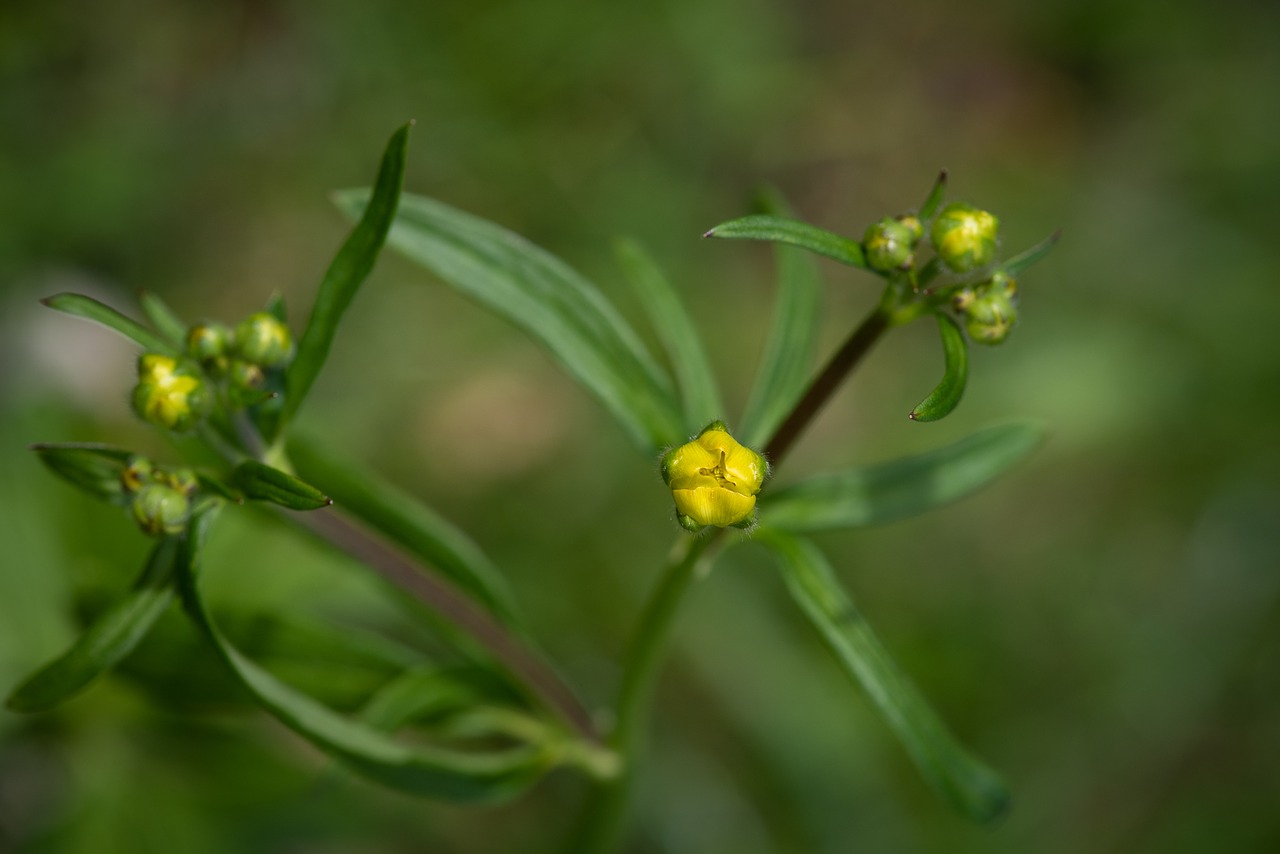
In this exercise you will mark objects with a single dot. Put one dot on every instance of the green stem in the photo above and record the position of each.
(606, 811)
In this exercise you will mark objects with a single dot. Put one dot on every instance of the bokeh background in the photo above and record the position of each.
(1103, 625)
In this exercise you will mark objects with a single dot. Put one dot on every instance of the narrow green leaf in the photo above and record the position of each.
(699, 395)
(277, 309)
(779, 229)
(934, 200)
(424, 770)
(94, 468)
(415, 693)
(902, 488)
(346, 273)
(214, 486)
(1023, 260)
(969, 785)
(109, 639)
(89, 308)
(787, 361)
(266, 483)
(946, 396)
(540, 294)
(163, 319)
(409, 523)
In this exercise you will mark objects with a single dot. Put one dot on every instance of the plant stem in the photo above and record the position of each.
(442, 597)
(606, 811)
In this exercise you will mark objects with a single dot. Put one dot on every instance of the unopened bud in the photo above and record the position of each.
(168, 394)
(888, 245)
(136, 474)
(989, 309)
(964, 237)
(245, 382)
(208, 343)
(160, 509)
(263, 340)
(714, 480)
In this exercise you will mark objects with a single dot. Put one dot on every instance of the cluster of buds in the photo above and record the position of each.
(714, 480)
(988, 308)
(160, 499)
(176, 393)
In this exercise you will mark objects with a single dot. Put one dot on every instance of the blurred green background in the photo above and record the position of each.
(1103, 626)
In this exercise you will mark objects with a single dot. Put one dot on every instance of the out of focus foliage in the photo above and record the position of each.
(1106, 628)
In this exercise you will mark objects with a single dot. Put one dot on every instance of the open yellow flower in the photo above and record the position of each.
(714, 480)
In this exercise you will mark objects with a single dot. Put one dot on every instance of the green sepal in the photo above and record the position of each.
(89, 308)
(946, 396)
(262, 482)
(110, 637)
(96, 469)
(934, 199)
(968, 784)
(777, 229)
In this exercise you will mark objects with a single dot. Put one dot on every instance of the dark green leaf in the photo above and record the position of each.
(346, 273)
(947, 395)
(1023, 260)
(163, 319)
(110, 638)
(94, 468)
(969, 785)
(409, 523)
(794, 232)
(213, 486)
(934, 200)
(90, 309)
(277, 309)
(902, 488)
(538, 293)
(670, 319)
(431, 771)
(787, 361)
(262, 482)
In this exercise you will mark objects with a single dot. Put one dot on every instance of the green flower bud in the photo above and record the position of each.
(137, 473)
(964, 237)
(184, 481)
(912, 223)
(245, 382)
(168, 394)
(887, 244)
(208, 343)
(714, 480)
(263, 340)
(990, 309)
(160, 509)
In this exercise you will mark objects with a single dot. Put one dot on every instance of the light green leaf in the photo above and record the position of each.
(779, 229)
(698, 391)
(413, 694)
(439, 772)
(1023, 260)
(934, 200)
(946, 396)
(902, 488)
(346, 273)
(109, 639)
(89, 308)
(409, 523)
(92, 467)
(969, 785)
(787, 361)
(538, 293)
(163, 319)
(262, 482)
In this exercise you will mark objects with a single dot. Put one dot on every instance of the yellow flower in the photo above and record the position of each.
(714, 480)
(167, 394)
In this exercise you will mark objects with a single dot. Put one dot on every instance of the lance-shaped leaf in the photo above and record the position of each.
(698, 392)
(540, 294)
(969, 785)
(946, 396)
(346, 273)
(262, 482)
(902, 488)
(409, 523)
(777, 229)
(276, 307)
(416, 693)
(439, 772)
(163, 319)
(934, 199)
(787, 360)
(89, 308)
(94, 468)
(1023, 260)
(110, 637)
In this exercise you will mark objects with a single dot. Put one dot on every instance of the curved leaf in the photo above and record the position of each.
(265, 483)
(89, 308)
(946, 396)
(92, 467)
(346, 273)
(163, 319)
(787, 360)
(779, 229)
(436, 772)
(540, 294)
(109, 639)
(698, 391)
(902, 488)
(415, 693)
(1023, 260)
(969, 785)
